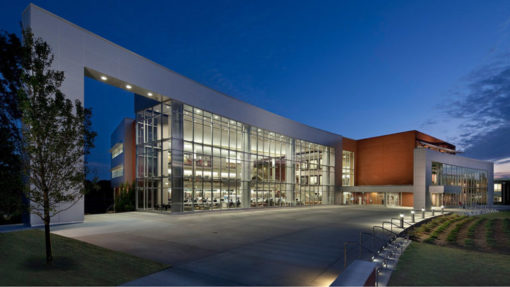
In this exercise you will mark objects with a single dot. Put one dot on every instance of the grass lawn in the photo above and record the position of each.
(23, 262)
(427, 264)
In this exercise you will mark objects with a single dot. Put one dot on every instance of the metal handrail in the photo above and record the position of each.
(384, 229)
(391, 224)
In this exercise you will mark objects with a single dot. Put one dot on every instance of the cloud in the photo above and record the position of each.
(483, 108)
(479, 110)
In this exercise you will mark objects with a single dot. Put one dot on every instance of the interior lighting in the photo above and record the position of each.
(104, 78)
(128, 87)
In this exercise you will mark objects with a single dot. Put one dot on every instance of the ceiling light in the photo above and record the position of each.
(104, 78)
(128, 87)
(149, 94)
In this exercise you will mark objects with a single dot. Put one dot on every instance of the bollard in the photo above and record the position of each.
(423, 213)
(402, 221)
(412, 216)
(433, 211)
(442, 209)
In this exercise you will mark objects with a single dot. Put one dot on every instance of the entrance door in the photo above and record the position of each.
(393, 198)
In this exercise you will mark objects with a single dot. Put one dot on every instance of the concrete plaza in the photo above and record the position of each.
(287, 246)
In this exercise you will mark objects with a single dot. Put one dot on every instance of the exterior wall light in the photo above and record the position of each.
(149, 94)
(128, 87)
(104, 78)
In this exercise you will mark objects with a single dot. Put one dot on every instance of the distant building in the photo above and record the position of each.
(502, 191)
(123, 153)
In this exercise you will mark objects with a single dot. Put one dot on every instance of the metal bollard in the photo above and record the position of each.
(412, 216)
(423, 213)
(402, 220)
(433, 211)
(442, 209)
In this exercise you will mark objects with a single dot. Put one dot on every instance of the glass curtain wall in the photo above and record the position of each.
(473, 182)
(347, 168)
(226, 164)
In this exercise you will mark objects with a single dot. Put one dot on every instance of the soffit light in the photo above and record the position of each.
(104, 78)
(128, 87)
(149, 94)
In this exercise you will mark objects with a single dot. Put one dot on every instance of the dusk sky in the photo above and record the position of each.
(355, 68)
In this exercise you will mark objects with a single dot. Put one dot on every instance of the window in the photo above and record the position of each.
(497, 187)
(118, 171)
(313, 164)
(117, 150)
(347, 168)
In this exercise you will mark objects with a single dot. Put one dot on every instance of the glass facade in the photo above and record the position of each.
(347, 168)
(473, 183)
(190, 159)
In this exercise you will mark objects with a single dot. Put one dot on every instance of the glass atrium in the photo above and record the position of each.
(190, 159)
(473, 183)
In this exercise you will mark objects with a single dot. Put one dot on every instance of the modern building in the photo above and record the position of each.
(502, 191)
(198, 149)
(123, 161)
(412, 169)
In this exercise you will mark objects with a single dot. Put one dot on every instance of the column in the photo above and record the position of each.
(177, 157)
(326, 197)
(290, 172)
(246, 168)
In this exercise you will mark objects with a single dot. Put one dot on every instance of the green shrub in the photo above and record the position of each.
(468, 242)
(125, 200)
(452, 236)
(489, 232)
(472, 228)
(442, 228)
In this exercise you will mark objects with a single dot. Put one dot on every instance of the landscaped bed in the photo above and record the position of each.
(457, 250)
(23, 262)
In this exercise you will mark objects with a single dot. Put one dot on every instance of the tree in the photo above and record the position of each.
(56, 133)
(11, 204)
(125, 201)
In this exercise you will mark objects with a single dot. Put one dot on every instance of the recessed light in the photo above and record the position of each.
(104, 78)
(149, 94)
(128, 87)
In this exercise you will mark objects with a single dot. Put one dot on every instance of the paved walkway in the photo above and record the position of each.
(288, 246)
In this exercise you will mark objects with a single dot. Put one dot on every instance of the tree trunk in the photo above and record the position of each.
(49, 256)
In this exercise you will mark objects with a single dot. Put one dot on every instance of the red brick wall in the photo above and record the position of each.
(385, 160)
(407, 199)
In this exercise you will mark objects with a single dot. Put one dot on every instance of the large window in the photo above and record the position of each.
(226, 164)
(473, 181)
(118, 171)
(347, 168)
(117, 150)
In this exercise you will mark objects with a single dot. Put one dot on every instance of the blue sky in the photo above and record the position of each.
(356, 68)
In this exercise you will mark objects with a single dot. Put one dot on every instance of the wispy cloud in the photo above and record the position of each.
(480, 111)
